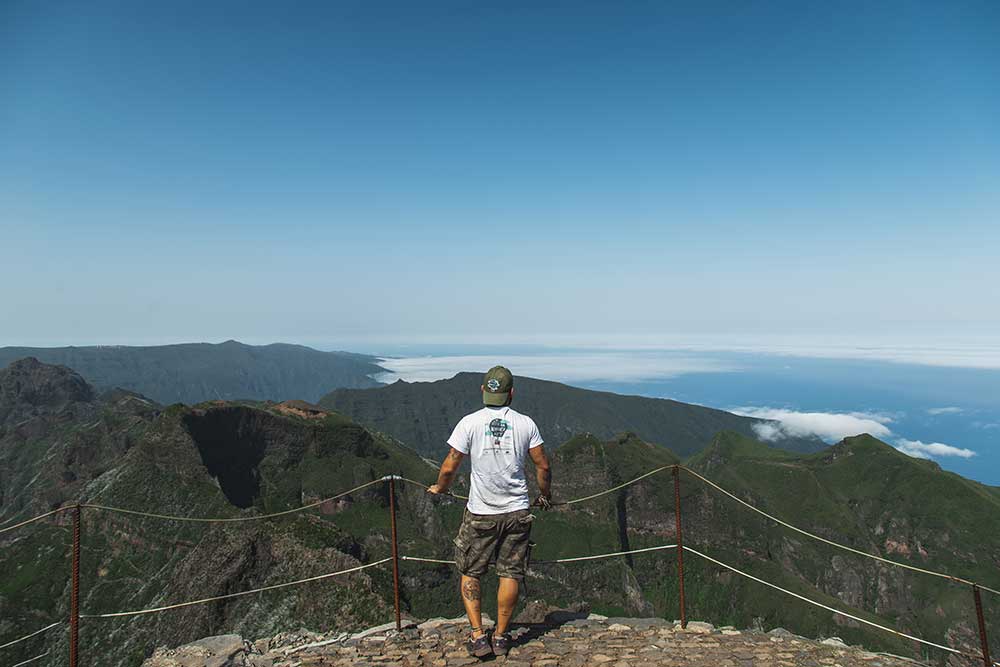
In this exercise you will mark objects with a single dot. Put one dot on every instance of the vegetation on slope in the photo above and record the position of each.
(866, 494)
(60, 443)
(124, 451)
(422, 414)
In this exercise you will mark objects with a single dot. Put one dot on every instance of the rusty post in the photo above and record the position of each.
(680, 546)
(982, 626)
(74, 594)
(395, 549)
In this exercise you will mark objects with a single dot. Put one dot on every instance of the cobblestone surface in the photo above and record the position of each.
(609, 642)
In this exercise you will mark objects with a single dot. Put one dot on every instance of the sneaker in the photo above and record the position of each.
(480, 646)
(501, 644)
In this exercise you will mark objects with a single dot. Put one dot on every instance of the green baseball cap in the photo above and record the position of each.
(497, 384)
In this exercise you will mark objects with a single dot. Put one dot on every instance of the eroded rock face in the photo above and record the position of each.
(590, 640)
(220, 651)
(29, 387)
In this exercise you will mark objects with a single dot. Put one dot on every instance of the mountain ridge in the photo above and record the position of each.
(194, 372)
(422, 414)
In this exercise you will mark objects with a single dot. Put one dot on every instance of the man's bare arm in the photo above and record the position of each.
(449, 468)
(543, 472)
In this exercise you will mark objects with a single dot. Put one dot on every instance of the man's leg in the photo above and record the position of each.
(506, 601)
(472, 599)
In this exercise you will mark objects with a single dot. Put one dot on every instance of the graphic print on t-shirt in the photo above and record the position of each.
(497, 428)
(496, 452)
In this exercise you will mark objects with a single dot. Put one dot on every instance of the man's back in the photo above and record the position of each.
(496, 525)
(497, 440)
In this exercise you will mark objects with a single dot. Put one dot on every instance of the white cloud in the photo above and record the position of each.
(953, 351)
(834, 426)
(829, 426)
(926, 450)
(945, 411)
(609, 366)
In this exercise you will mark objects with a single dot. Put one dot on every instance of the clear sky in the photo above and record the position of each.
(461, 171)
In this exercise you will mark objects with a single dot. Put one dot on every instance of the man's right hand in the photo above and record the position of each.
(543, 474)
(543, 501)
(434, 489)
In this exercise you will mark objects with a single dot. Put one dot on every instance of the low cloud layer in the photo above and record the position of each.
(614, 367)
(926, 450)
(945, 411)
(829, 426)
(952, 352)
(833, 427)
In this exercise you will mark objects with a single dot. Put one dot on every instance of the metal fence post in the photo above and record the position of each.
(395, 549)
(680, 545)
(982, 626)
(74, 594)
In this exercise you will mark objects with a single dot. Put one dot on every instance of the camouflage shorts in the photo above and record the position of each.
(499, 538)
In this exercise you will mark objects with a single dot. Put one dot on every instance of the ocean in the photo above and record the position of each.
(950, 414)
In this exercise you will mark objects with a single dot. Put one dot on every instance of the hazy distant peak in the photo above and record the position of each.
(195, 372)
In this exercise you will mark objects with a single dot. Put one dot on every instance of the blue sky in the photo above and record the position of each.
(358, 172)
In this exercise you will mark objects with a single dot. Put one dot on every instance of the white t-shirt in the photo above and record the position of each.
(497, 441)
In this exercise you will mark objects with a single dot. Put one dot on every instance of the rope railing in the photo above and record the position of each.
(232, 519)
(175, 517)
(737, 571)
(216, 598)
(679, 547)
(34, 519)
(826, 607)
(33, 634)
(608, 555)
(614, 488)
(574, 501)
(563, 502)
(30, 660)
(556, 560)
(801, 531)
(424, 486)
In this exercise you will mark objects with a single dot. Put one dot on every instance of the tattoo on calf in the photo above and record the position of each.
(470, 589)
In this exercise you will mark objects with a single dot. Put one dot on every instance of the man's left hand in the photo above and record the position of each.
(435, 489)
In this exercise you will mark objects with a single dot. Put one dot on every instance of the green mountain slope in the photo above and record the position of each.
(194, 372)
(860, 492)
(60, 443)
(866, 494)
(422, 414)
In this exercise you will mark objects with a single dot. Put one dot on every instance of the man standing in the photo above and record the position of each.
(496, 524)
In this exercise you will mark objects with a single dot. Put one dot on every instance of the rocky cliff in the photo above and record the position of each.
(61, 443)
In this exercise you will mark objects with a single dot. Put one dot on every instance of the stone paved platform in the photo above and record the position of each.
(592, 641)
